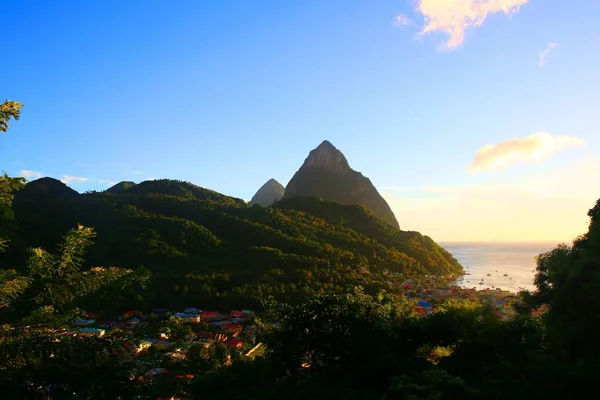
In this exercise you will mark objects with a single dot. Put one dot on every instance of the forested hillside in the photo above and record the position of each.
(207, 248)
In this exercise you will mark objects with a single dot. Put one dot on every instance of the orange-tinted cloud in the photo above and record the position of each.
(532, 148)
(545, 205)
(454, 17)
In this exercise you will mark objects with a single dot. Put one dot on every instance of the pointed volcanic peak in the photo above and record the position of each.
(327, 174)
(269, 193)
(327, 156)
(48, 188)
(120, 187)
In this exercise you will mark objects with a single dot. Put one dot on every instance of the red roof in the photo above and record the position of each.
(231, 327)
(210, 313)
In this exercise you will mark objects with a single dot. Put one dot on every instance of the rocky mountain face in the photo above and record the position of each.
(327, 174)
(269, 193)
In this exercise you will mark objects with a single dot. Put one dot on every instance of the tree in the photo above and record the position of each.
(11, 283)
(9, 109)
(568, 283)
(59, 282)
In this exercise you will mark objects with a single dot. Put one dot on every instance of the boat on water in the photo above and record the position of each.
(505, 275)
(489, 274)
(481, 283)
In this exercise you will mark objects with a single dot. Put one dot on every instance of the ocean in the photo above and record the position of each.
(516, 260)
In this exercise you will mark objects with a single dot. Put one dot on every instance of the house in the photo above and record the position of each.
(188, 317)
(84, 322)
(248, 313)
(131, 314)
(133, 322)
(192, 310)
(231, 327)
(92, 332)
(143, 345)
(424, 304)
(91, 315)
(237, 314)
(210, 314)
(421, 310)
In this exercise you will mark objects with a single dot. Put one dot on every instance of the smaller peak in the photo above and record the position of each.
(268, 194)
(326, 144)
(272, 181)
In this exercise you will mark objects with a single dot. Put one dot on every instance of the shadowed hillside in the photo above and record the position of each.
(206, 247)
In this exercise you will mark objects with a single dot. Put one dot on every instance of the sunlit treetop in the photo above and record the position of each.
(9, 109)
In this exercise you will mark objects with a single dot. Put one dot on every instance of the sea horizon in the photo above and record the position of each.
(505, 265)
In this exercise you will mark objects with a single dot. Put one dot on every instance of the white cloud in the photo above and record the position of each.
(70, 179)
(542, 206)
(543, 55)
(403, 20)
(30, 174)
(454, 17)
(73, 179)
(532, 148)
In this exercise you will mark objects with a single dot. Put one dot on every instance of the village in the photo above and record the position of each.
(160, 340)
(237, 329)
(429, 297)
(160, 344)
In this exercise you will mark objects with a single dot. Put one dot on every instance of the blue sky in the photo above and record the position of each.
(229, 94)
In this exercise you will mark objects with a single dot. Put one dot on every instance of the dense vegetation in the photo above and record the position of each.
(207, 249)
(355, 346)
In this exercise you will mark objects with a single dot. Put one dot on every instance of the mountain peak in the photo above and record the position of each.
(268, 194)
(327, 174)
(327, 156)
